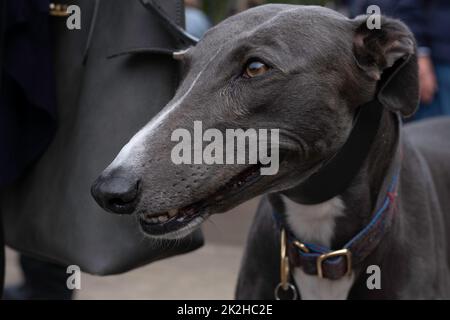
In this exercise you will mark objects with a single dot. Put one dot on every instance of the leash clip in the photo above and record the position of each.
(284, 285)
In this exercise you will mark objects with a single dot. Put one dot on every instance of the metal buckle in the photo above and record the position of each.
(301, 246)
(58, 10)
(338, 253)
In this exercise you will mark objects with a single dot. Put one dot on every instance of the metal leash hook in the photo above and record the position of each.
(284, 287)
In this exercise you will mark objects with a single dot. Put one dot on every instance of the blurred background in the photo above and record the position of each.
(218, 10)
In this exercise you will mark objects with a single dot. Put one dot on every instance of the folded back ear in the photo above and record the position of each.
(388, 55)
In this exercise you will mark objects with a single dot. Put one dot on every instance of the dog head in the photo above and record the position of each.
(302, 71)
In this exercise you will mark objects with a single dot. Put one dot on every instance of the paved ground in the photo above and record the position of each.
(208, 273)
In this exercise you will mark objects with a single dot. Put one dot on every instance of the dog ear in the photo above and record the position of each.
(388, 55)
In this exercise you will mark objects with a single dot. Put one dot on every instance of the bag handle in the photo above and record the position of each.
(183, 38)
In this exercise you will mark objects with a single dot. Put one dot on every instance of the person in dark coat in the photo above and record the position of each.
(28, 97)
(430, 23)
(27, 123)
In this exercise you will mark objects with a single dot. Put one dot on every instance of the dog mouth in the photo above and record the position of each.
(179, 222)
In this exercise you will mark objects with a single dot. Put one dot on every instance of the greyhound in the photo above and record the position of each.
(354, 189)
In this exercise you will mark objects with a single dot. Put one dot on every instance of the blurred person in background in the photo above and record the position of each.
(197, 22)
(430, 22)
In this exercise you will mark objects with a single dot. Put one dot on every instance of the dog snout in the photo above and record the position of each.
(116, 193)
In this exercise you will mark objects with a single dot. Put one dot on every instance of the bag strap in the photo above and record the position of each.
(183, 38)
(91, 31)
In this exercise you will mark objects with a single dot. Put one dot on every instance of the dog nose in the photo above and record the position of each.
(116, 193)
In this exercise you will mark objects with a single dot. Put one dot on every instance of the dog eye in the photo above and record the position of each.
(255, 68)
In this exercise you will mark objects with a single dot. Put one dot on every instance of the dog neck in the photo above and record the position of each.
(336, 221)
(352, 209)
(360, 199)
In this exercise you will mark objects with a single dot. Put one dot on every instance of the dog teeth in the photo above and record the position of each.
(148, 218)
(152, 219)
(173, 212)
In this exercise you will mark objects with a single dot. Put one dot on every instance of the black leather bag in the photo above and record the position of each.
(102, 102)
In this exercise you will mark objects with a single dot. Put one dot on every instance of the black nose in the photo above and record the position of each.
(116, 193)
